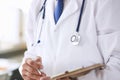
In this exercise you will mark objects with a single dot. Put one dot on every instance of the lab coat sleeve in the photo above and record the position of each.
(108, 28)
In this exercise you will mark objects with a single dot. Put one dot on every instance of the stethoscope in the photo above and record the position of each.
(76, 37)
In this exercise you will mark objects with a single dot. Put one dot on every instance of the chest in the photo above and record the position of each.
(56, 38)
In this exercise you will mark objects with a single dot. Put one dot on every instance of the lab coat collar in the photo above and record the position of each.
(70, 9)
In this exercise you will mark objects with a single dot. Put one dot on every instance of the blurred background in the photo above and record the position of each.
(13, 14)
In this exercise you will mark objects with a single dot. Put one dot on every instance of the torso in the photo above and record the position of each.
(57, 51)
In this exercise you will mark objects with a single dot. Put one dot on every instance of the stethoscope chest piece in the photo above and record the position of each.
(75, 39)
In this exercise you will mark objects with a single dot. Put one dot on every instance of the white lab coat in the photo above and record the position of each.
(100, 38)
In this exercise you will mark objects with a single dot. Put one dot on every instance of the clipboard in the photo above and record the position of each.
(78, 72)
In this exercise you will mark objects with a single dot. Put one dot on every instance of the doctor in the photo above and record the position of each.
(85, 32)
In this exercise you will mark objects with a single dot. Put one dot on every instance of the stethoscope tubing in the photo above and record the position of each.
(80, 16)
(43, 17)
(44, 9)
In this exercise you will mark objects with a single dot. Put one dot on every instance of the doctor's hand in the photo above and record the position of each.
(30, 70)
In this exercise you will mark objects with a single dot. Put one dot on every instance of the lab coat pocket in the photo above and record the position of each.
(107, 44)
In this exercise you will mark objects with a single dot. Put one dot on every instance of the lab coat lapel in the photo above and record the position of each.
(50, 12)
(70, 9)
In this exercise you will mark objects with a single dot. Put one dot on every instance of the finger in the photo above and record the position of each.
(26, 78)
(45, 78)
(43, 74)
(33, 64)
(29, 61)
(31, 76)
(38, 59)
(28, 68)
